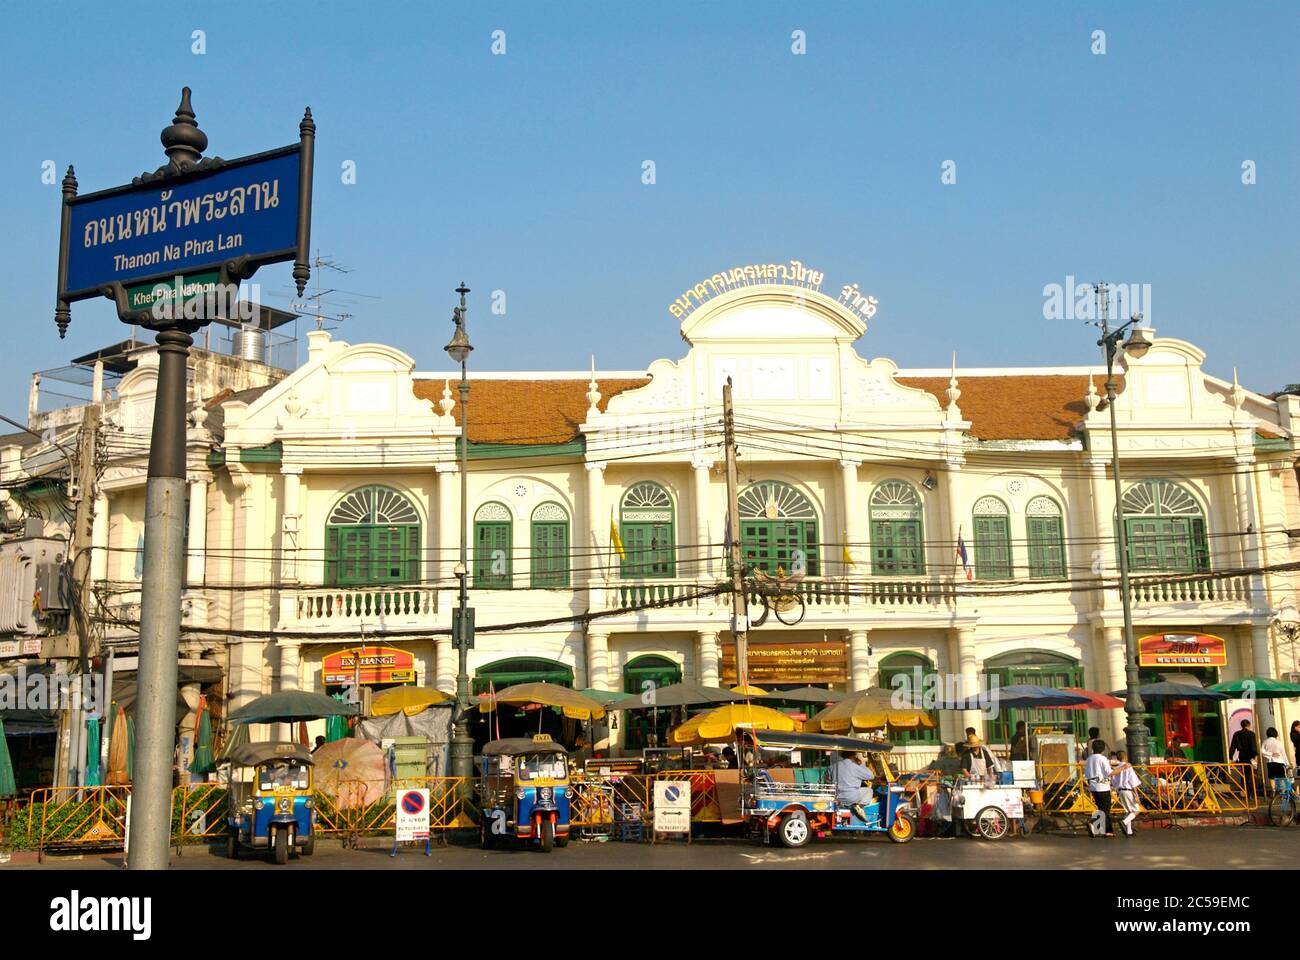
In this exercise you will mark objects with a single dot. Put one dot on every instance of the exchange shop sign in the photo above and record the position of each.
(375, 665)
(1182, 650)
(195, 222)
(816, 662)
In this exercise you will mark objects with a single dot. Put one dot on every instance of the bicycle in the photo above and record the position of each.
(775, 595)
(1282, 808)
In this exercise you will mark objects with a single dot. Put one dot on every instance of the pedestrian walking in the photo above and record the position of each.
(1295, 741)
(1097, 774)
(1124, 780)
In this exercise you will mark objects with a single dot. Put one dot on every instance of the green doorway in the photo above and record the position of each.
(1197, 723)
(1042, 669)
(645, 728)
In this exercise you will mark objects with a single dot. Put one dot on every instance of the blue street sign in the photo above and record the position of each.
(245, 208)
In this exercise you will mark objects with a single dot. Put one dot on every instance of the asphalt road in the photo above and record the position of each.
(1227, 847)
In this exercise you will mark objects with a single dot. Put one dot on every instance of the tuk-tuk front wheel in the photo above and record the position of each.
(546, 831)
(902, 829)
(281, 847)
(793, 830)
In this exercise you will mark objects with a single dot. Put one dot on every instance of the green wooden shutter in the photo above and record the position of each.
(1046, 551)
(896, 547)
(490, 538)
(550, 554)
(332, 555)
(992, 548)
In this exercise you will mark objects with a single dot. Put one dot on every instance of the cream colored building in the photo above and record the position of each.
(325, 513)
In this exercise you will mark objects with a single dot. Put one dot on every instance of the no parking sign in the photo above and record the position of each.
(412, 815)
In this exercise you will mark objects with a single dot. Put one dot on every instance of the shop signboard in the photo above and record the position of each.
(30, 647)
(672, 806)
(816, 662)
(412, 815)
(377, 665)
(1182, 650)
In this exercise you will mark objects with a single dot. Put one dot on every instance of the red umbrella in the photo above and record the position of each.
(1096, 701)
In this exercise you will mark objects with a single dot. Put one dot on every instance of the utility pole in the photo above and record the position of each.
(79, 546)
(739, 616)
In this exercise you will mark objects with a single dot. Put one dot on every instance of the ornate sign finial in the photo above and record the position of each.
(183, 141)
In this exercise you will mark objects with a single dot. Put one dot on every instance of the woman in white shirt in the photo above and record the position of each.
(1274, 755)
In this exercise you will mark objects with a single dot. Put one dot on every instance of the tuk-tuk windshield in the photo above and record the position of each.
(541, 766)
(283, 775)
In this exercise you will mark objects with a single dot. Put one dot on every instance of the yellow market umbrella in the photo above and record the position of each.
(872, 709)
(750, 691)
(407, 700)
(575, 705)
(721, 723)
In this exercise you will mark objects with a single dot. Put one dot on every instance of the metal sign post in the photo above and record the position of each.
(191, 218)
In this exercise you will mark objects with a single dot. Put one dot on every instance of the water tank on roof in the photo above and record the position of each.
(249, 343)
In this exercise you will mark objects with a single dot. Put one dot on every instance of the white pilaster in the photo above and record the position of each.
(289, 523)
(709, 657)
(598, 677)
(851, 511)
(198, 532)
(700, 468)
(968, 666)
(862, 673)
(447, 525)
(1102, 558)
(595, 554)
(1114, 721)
(290, 666)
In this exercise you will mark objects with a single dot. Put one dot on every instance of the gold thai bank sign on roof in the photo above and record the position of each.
(1182, 650)
(792, 274)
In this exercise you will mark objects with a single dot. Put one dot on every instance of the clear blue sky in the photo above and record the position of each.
(523, 172)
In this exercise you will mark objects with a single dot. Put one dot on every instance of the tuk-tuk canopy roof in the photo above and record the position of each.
(513, 746)
(254, 754)
(820, 741)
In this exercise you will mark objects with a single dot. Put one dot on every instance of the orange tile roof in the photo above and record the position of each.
(1017, 406)
(526, 411)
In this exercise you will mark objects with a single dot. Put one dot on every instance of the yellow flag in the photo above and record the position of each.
(848, 557)
(615, 540)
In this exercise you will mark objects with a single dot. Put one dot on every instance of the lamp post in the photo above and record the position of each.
(462, 625)
(1135, 733)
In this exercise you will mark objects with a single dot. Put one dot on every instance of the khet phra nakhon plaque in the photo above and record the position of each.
(818, 662)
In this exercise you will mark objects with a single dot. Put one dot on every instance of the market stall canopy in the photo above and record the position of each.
(513, 746)
(803, 740)
(1169, 690)
(289, 706)
(808, 695)
(1096, 700)
(871, 709)
(251, 754)
(721, 723)
(1017, 696)
(407, 700)
(676, 695)
(605, 697)
(575, 705)
(1264, 688)
(749, 691)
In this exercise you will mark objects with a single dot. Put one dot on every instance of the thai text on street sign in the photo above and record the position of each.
(244, 208)
(412, 815)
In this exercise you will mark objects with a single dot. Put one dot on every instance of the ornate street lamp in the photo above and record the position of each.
(462, 626)
(1135, 732)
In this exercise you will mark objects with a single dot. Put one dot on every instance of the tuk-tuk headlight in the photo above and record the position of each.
(257, 804)
(519, 793)
(284, 804)
(546, 793)
(309, 803)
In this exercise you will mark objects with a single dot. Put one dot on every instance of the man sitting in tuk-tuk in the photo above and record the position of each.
(853, 784)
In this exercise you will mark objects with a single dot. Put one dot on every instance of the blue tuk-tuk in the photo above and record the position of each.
(523, 792)
(273, 810)
(794, 802)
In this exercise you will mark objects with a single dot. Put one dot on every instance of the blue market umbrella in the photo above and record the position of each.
(1172, 690)
(8, 787)
(1017, 696)
(92, 752)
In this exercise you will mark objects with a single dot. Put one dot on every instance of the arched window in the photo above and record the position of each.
(550, 564)
(508, 672)
(778, 528)
(1165, 528)
(493, 542)
(992, 525)
(372, 536)
(1046, 535)
(916, 669)
(646, 529)
(897, 543)
(1038, 668)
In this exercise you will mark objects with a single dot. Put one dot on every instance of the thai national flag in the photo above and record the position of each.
(962, 556)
